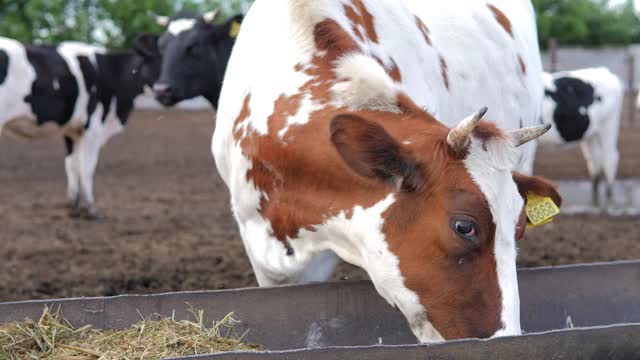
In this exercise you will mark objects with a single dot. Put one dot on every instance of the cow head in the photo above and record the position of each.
(567, 103)
(195, 53)
(143, 69)
(452, 227)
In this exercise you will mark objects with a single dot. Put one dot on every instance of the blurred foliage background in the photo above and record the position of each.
(587, 22)
(115, 23)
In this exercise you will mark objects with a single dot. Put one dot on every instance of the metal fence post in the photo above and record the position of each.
(631, 89)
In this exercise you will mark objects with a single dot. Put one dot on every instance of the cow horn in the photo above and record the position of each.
(210, 16)
(523, 136)
(160, 20)
(458, 137)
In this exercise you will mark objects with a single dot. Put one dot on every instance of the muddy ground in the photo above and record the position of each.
(166, 224)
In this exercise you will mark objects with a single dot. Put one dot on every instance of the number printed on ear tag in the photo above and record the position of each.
(530, 225)
(540, 210)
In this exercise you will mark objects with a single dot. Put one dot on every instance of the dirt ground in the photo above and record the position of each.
(166, 224)
(568, 163)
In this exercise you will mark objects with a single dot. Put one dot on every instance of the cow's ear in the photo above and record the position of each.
(146, 45)
(537, 185)
(234, 26)
(371, 152)
(230, 29)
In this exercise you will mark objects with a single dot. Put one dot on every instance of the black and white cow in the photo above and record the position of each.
(195, 53)
(82, 92)
(585, 106)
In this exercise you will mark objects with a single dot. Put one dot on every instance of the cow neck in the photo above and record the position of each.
(115, 84)
(113, 68)
(212, 94)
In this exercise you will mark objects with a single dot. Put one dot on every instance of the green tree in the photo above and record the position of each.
(47, 20)
(123, 20)
(14, 22)
(586, 22)
(114, 23)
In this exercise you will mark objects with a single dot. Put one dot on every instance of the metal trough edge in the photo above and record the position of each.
(335, 314)
(604, 342)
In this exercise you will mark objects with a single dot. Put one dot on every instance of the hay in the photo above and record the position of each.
(53, 337)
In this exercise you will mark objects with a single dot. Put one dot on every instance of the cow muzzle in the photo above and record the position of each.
(165, 94)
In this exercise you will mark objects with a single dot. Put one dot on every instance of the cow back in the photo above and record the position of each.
(450, 58)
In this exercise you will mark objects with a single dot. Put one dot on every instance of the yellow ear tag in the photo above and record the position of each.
(235, 29)
(540, 210)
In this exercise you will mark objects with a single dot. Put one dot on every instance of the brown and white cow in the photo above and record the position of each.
(332, 138)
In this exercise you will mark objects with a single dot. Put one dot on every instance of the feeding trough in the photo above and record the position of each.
(581, 311)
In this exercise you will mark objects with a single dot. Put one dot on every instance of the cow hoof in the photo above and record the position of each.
(83, 213)
(91, 217)
(71, 204)
(91, 214)
(75, 212)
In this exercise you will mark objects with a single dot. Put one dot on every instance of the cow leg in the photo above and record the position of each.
(289, 271)
(595, 193)
(610, 167)
(88, 151)
(73, 174)
(592, 151)
(275, 263)
(320, 268)
(609, 193)
(265, 253)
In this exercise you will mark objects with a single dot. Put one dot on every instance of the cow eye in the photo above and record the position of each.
(465, 228)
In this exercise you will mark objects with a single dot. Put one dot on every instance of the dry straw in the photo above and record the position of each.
(154, 337)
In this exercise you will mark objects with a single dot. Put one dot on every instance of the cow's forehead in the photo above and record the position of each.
(177, 26)
(490, 155)
(182, 39)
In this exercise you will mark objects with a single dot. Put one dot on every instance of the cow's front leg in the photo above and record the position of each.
(595, 190)
(73, 175)
(277, 262)
(318, 268)
(88, 148)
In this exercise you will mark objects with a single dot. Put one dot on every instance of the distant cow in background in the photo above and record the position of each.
(585, 106)
(82, 92)
(195, 53)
